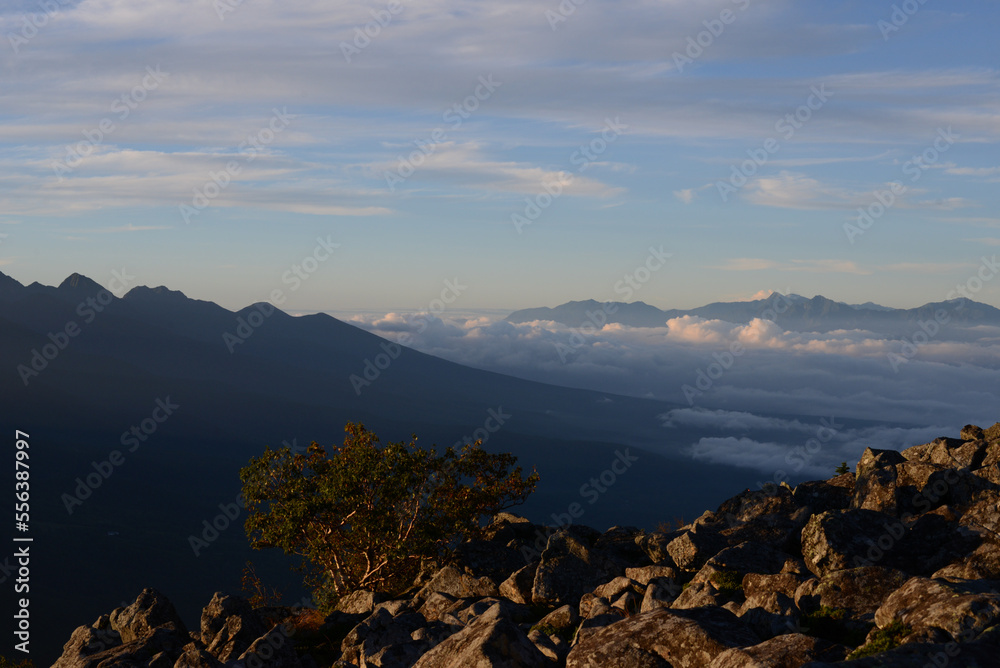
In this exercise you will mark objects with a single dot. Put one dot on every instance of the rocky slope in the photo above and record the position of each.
(899, 560)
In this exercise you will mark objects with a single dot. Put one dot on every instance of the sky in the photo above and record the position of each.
(381, 155)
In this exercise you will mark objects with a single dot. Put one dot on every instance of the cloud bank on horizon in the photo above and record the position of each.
(211, 141)
(743, 379)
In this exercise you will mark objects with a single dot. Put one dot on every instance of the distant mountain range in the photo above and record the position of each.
(790, 312)
(87, 375)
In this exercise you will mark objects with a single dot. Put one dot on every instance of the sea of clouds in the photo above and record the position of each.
(745, 394)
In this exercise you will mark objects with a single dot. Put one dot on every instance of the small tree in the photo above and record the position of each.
(365, 515)
(842, 469)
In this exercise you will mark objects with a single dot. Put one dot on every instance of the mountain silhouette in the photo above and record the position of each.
(87, 375)
(790, 312)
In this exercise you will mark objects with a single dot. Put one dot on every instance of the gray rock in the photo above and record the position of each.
(784, 651)
(569, 569)
(518, 586)
(491, 640)
(195, 657)
(643, 575)
(272, 650)
(923, 603)
(150, 610)
(679, 638)
(360, 602)
(841, 539)
(859, 591)
(660, 593)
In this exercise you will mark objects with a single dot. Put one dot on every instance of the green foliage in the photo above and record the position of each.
(842, 469)
(10, 663)
(882, 640)
(566, 633)
(832, 624)
(365, 515)
(727, 582)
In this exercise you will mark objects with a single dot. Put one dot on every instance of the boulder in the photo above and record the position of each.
(872, 460)
(219, 609)
(383, 638)
(860, 591)
(922, 603)
(237, 636)
(560, 619)
(757, 587)
(643, 575)
(490, 640)
(823, 495)
(747, 557)
(518, 586)
(674, 638)
(897, 489)
(150, 610)
(165, 643)
(484, 558)
(698, 595)
(971, 432)
(785, 651)
(450, 580)
(660, 593)
(655, 546)
(272, 650)
(86, 642)
(693, 547)
(983, 563)
(360, 602)
(841, 539)
(568, 569)
(195, 657)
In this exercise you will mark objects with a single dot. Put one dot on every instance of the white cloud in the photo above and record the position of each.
(686, 195)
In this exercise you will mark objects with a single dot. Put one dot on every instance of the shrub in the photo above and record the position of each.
(367, 515)
(882, 640)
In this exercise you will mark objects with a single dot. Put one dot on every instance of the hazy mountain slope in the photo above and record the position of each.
(791, 312)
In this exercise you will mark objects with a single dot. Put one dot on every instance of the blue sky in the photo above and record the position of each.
(617, 120)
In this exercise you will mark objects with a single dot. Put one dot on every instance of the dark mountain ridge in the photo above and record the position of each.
(86, 368)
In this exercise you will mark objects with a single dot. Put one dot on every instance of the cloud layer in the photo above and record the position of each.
(732, 382)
